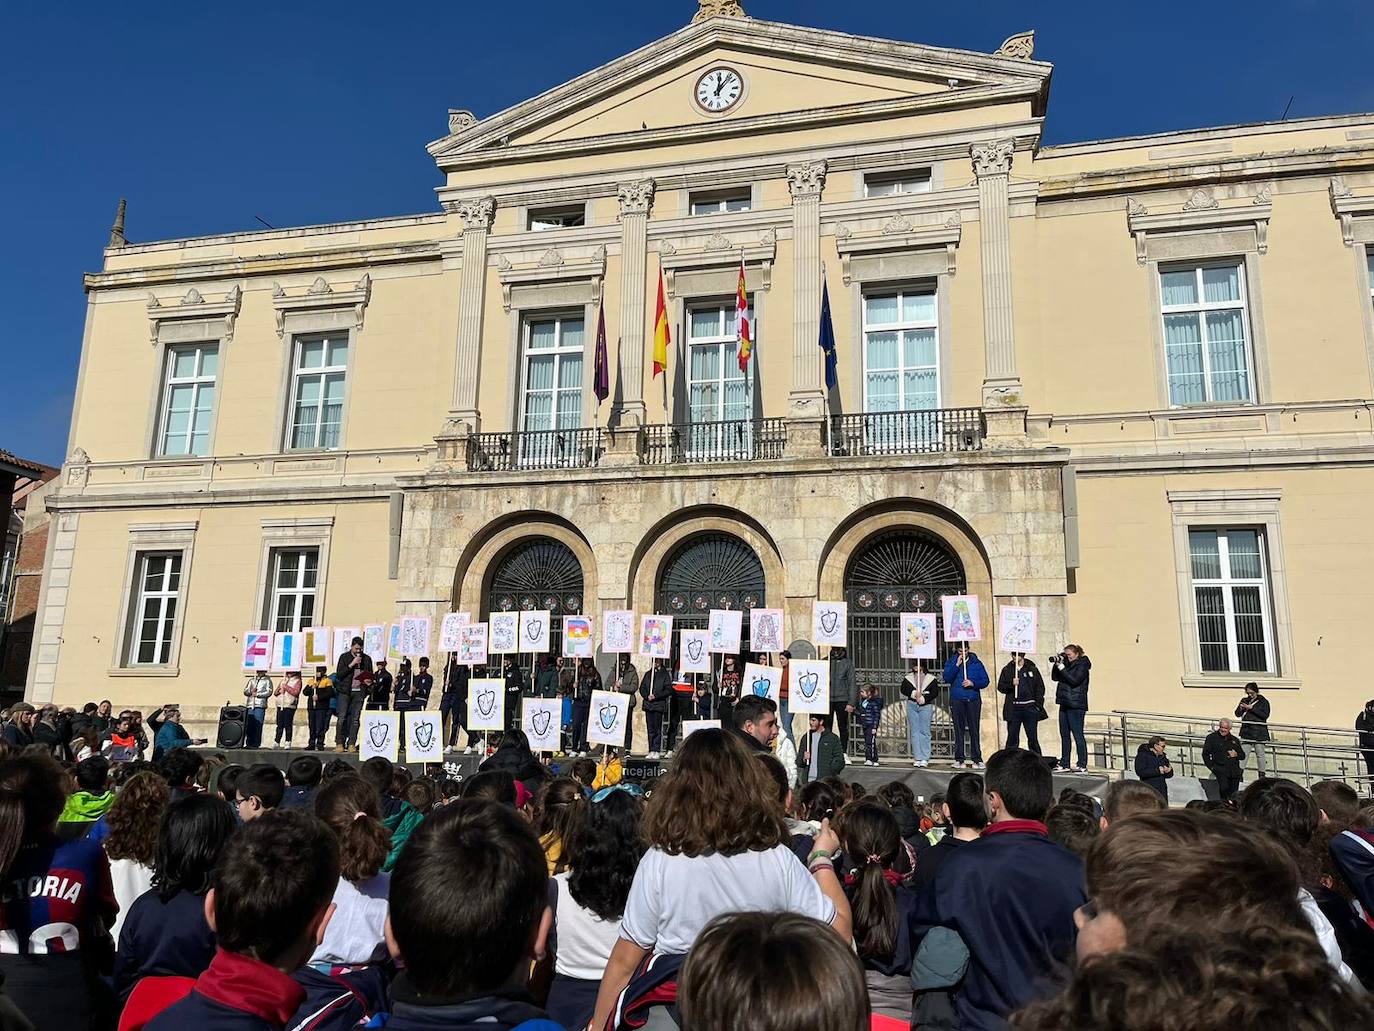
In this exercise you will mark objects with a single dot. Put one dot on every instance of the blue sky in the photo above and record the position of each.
(206, 116)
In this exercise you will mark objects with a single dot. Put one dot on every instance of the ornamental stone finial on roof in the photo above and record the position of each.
(117, 230)
(1020, 46)
(713, 8)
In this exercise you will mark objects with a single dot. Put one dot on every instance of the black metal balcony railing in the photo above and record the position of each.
(907, 433)
(535, 449)
(739, 440)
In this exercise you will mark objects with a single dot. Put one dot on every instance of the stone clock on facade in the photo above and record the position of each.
(719, 89)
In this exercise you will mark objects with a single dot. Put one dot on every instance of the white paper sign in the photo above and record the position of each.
(694, 651)
(451, 629)
(690, 727)
(472, 644)
(578, 640)
(257, 650)
(424, 737)
(618, 631)
(286, 652)
(918, 635)
(487, 704)
(374, 642)
(830, 623)
(961, 617)
(763, 681)
(1018, 629)
(534, 631)
(765, 630)
(415, 635)
(379, 733)
(724, 626)
(343, 640)
(503, 633)
(656, 636)
(393, 643)
(541, 720)
(808, 685)
(318, 641)
(610, 715)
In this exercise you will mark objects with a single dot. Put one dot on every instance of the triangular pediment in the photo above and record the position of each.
(789, 72)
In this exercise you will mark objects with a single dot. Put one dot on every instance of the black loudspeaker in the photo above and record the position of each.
(231, 729)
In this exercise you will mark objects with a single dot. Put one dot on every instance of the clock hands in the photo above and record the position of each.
(720, 81)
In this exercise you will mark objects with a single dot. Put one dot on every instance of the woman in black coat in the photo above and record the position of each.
(1152, 766)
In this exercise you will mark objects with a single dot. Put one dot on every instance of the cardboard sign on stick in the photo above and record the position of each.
(379, 733)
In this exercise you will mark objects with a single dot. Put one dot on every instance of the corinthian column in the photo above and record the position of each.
(476, 215)
(635, 201)
(805, 182)
(1001, 384)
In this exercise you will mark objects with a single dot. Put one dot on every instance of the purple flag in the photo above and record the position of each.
(601, 382)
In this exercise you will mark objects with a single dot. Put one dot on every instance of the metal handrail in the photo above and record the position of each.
(733, 440)
(918, 431)
(535, 449)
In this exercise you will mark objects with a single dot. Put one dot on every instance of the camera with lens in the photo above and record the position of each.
(1059, 660)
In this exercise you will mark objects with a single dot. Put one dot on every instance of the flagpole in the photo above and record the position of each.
(829, 436)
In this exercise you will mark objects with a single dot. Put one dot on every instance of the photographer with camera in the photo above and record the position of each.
(1070, 669)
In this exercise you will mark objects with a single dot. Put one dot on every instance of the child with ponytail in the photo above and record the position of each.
(881, 905)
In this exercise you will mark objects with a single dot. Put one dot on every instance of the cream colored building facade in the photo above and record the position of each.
(1129, 382)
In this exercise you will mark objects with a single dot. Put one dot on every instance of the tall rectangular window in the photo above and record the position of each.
(295, 578)
(317, 391)
(1231, 595)
(1369, 257)
(552, 396)
(901, 351)
(156, 590)
(188, 400)
(1206, 334)
(717, 389)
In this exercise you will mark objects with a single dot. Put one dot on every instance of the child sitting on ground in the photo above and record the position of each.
(467, 954)
(269, 903)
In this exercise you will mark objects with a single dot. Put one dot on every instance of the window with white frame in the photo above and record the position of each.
(896, 184)
(1369, 257)
(717, 388)
(188, 400)
(1231, 597)
(318, 379)
(156, 589)
(1206, 334)
(717, 202)
(552, 392)
(295, 580)
(901, 351)
(557, 218)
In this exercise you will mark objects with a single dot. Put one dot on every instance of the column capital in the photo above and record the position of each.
(477, 212)
(636, 198)
(806, 180)
(992, 158)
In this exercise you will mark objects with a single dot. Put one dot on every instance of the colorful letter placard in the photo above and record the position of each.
(257, 650)
(379, 733)
(450, 630)
(374, 642)
(486, 704)
(610, 716)
(578, 642)
(763, 681)
(534, 631)
(503, 632)
(318, 641)
(472, 644)
(918, 635)
(724, 626)
(765, 630)
(690, 727)
(286, 652)
(393, 644)
(694, 651)
(424, 737)
(618, 631)
(415, 635)
(541, 720)
(830, 623)
(808, 685)
(656, 637)
(1018, 629)
(961, 617)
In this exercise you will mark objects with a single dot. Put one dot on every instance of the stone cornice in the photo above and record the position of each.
(898, 234)
(1347, 207)
(719, 251)
(193, 306)
(1201, 210)
(263, 235)
(1210, 133)
(552, 266)
(320, 296)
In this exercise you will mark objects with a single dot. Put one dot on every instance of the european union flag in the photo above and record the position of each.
(828, 339)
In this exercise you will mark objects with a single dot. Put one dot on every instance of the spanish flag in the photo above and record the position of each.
(661, 335)
(743, 342)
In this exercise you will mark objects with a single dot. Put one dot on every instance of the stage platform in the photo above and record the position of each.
(923, 782)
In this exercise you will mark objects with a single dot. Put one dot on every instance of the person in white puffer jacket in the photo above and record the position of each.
(257, 691)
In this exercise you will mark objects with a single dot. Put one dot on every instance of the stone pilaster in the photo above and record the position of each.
(635, 201)
(806, 399)
(476, 215)
(1001, 384)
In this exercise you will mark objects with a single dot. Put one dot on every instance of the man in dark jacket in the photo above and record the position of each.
(1071, 671)
(1152, 765)
(657, 691)
(453, 703)
(1253, 713)
(755, 720)
(819, 755)
(844, 693)
(1364, 724)
(349, 694)
(1223, 755)
(517, 686)
(546, 678)
(966, 677)
(1024, 687)
(1010, 895)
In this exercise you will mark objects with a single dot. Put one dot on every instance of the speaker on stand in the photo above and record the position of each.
(231, 727)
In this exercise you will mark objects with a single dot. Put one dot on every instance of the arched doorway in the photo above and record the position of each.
(537, 573)
(899, 570)
(712, 570)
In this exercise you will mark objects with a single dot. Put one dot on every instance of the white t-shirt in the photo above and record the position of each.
(584, 940)
(356, 932)
(674, 897)
(130, 879)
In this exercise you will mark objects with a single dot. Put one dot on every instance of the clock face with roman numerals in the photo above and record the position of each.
(719, 90)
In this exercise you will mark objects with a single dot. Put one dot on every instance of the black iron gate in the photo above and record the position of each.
(899, 571)
(705, 572)
(539, 573)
